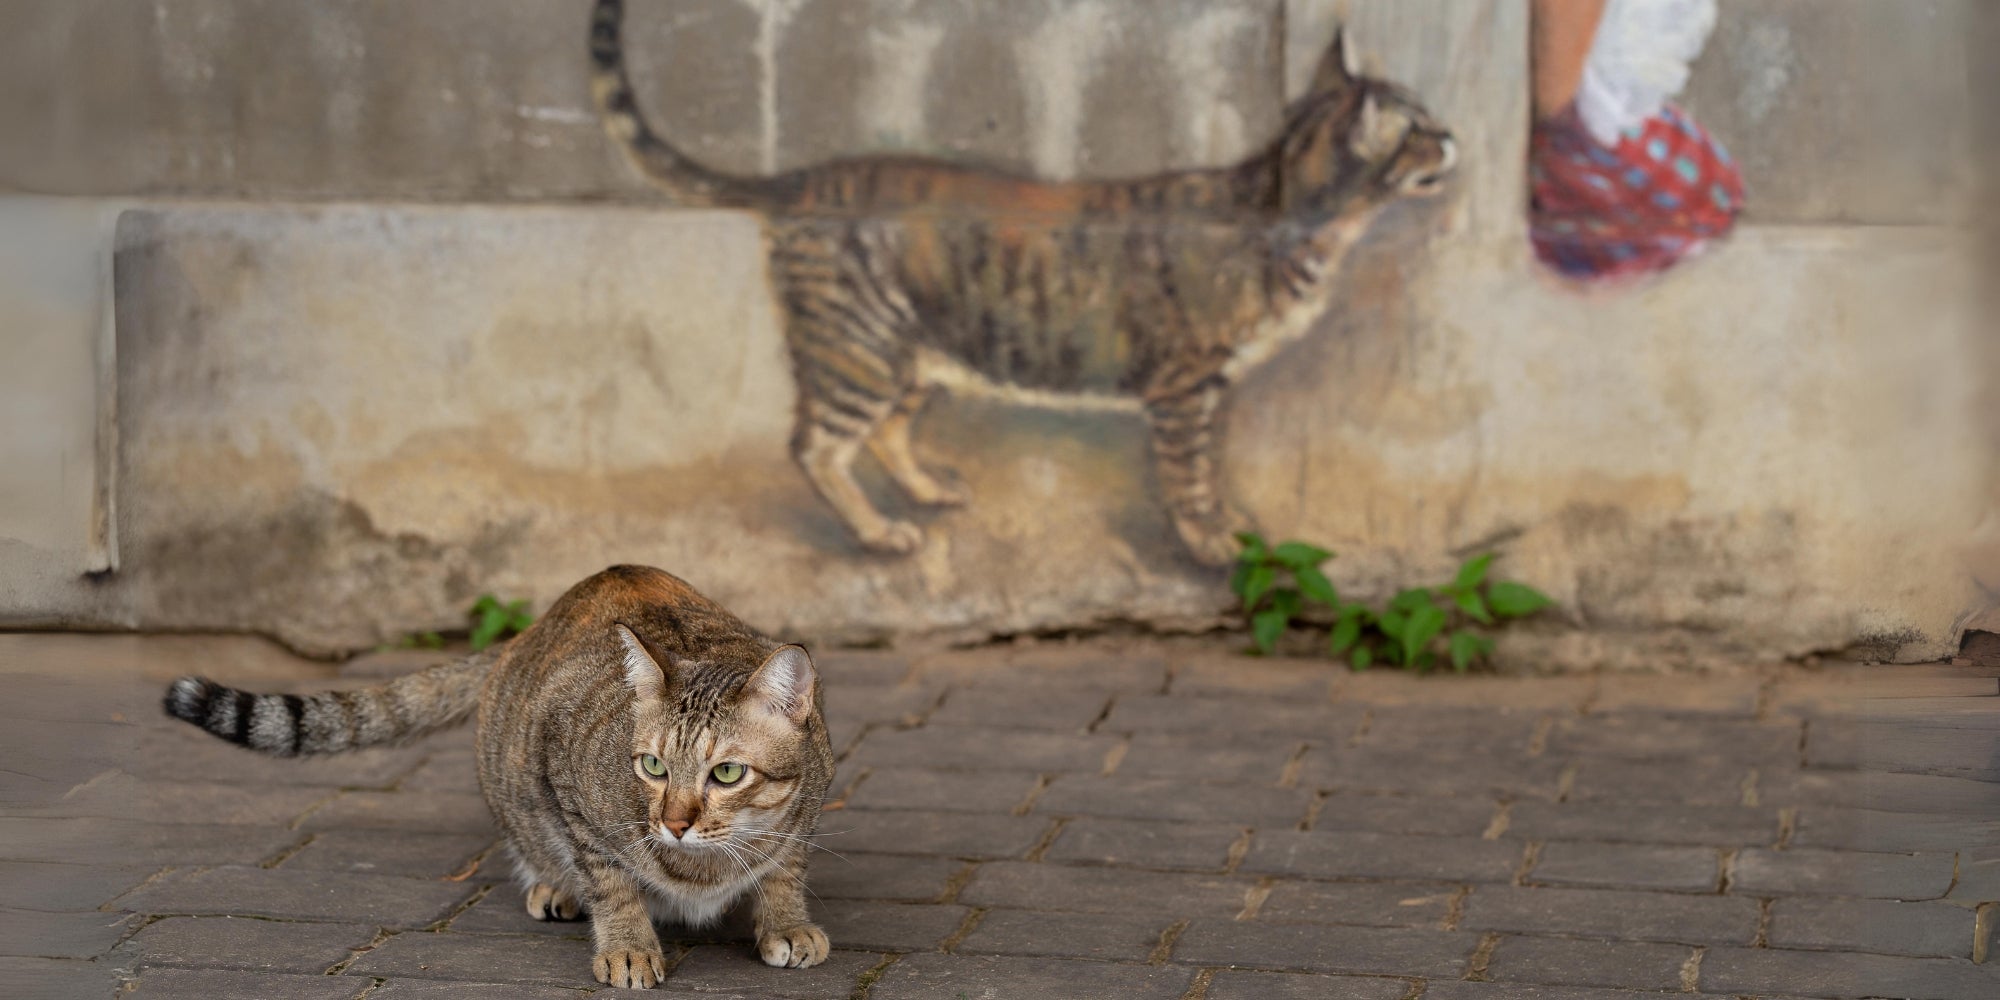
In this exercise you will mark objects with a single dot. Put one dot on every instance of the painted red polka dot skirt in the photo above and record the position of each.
(1665, 191)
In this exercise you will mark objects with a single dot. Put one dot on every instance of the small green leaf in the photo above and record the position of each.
(1423, 626)
(1286, 600)
(1410, 600)
(1363, 657)
(1254, 549)
(1473, 572)
(1316, 586)
(1266, 626)
(1298, 555)
(1515, 600)
(1464, 649)
(1239, 579)
(1345, 633)
(1425, 661)
(1261, 579)
(1474, 606)
(1391, 623)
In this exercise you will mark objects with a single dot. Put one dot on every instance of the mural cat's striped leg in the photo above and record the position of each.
(891, 445)
(1187, 458)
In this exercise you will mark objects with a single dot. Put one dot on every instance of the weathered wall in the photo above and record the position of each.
(342, 422)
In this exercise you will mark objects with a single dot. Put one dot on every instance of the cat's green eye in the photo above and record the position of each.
(653, 765)
(729, 774)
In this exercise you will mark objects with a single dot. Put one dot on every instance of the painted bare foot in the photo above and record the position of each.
(547, 902)
(800, 947)
(630, 970)
(1212, 540)
(895, 537)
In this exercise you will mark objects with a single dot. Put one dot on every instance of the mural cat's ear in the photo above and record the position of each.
(1376, 132)
(1336, 65)
(646, 674)
(784, 684)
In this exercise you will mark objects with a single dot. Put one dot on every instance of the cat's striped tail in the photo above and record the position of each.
(290, 725)
(669, 169)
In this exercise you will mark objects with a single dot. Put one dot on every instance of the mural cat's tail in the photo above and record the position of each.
(689, 182)
(290, 725)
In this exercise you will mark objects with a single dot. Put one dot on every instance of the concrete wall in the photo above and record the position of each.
(340, 422)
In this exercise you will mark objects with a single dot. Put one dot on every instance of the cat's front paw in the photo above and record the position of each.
(631, 970)
(800, 947)
(548, 902)
(895, 537)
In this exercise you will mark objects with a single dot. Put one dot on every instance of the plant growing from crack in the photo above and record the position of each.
(1275, 584)
(493, 621)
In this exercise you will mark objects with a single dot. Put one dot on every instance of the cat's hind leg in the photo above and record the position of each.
(825, 451)
(553, 902)
(891, 445)
(1187, 458)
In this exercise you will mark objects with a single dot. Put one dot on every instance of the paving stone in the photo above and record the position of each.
(1428, 729)
(1440, 775)
(979, 748)
(245, 943)
(1625, 866)
(1247, 760)
(1603, 913)
(1174, 799)
(1957, 751)
(1673, 739)
(224, 984)
(956, 835)
(857, 875)
(1145, 843)
(1722, 826)
(954, 791)
(1908, 793)
(1274, 678)
(1396, 687)
(1098, 936)
(887, 926)
(175, 751)
(1879, 830)
(843, 669)
(1649, 696)
(419, 989)
(430, 812)
(1326, 948)
(32, 885)
(452, 771)
(1978, 876)
(125, 796)
(1831, 974)
(1336, 854)
(38, 934)
(504, 911)
(139, 843)
(1173, 713)
(1934, 930)
(1104, 890)
(383, 900)
(1518, 991)
(1467, 816)
(735, 969)
(1840, 873)
(1560, 962)
(57, 979)
(1704, 781)
(1137, 672)
(386, 852)
(899, 705)
(1230, 984)
(1053, 708)
(931, 976)
(484, 958)
(1370, 904)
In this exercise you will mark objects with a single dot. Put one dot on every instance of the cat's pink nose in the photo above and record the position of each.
(677, 827)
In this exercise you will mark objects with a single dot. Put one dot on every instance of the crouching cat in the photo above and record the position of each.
(643, 751)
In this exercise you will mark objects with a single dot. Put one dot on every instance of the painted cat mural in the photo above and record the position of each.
(899, 275)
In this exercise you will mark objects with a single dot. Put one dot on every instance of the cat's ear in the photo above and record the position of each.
(784, 684)
(1336, 65)
(1376, 133)
(646, 674)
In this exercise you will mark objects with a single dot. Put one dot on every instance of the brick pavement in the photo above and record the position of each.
(1140, 821)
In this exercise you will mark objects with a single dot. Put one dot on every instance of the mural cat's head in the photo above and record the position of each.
(1353, 143)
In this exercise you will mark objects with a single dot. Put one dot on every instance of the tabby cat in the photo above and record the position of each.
(643, 751)
(899, 275)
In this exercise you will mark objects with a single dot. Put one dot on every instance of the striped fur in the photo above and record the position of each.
(901, 275)
(631, 663)
(290, 725)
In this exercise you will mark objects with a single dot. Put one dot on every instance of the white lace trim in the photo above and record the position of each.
(1638, 60)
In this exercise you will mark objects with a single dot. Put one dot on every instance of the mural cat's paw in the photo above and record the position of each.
(896, 537)
(1212, 541)
(547, 902)
(800, 947)
(630, 970)
(943, 495)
